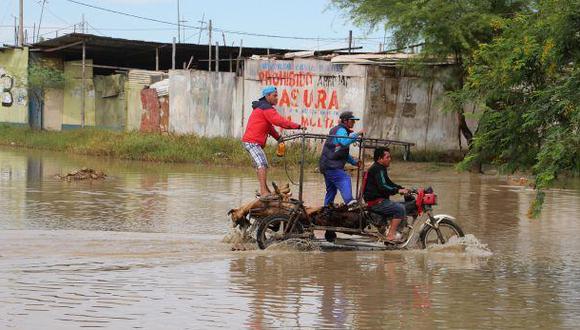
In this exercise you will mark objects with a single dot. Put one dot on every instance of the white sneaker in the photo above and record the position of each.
(352, 205)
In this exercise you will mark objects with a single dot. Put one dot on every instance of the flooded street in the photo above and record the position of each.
(143, 249)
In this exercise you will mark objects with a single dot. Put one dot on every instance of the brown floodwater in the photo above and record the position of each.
(144, 249)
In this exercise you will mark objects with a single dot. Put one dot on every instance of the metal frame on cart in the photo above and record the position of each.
(364, 143)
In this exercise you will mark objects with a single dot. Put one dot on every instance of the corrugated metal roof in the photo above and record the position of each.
(141, 54)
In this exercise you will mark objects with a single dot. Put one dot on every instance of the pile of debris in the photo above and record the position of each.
(82, 174)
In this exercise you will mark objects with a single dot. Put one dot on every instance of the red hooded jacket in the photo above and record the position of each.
(261, 123)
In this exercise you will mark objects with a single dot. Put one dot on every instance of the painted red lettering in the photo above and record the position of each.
(333, 101)
(285, 99)
(307, 100)
(294, 97)
(321, 101)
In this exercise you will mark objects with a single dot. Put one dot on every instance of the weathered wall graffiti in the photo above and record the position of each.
(6, 84)
(13, 86)
(310, 92)
(392, 104)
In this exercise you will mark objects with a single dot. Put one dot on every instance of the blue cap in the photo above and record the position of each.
(268, 90)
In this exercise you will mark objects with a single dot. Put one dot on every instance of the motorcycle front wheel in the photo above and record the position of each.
(440, 235)
(271, 230)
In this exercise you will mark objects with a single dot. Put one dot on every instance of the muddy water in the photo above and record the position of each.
(143, 249)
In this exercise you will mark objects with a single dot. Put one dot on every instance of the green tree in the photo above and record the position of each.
(527, 81)
(446, 28)
(520, 66)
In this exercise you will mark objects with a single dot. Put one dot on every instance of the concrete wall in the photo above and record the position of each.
(311, 92)
(403, 106)
(52, 110)
(201, 102)
(13, 82)
(393, 104)
(110, 102)
(73, 95)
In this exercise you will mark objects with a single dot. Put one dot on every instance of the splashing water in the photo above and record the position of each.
(241, 240)
(294, 244)
(468, 245)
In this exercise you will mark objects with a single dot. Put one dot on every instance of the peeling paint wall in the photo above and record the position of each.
(200, 102)
(403, 106)
(392, 103)
(136, 81)
(312, 93)
(13, 86)
(110, 103)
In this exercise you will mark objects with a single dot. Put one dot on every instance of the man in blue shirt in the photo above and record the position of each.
(335, 155)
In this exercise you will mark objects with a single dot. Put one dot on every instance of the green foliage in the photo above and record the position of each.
(41, 76)
(446, 27)
(528, 80)
(520, 67)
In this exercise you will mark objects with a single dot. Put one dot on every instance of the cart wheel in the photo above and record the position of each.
(271, 230)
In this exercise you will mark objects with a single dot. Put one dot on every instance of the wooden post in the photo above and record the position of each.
(178, 24)
(15, 32)
(217, 56)
(157, 59)
(209, 44)
(21, 25)
(224, 37)
(190, 62)
(349, 41)
(173, 55)
(83, 88)
(239, 56)
(231, 63)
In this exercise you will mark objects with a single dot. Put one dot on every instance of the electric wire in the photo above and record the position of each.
(236, 32)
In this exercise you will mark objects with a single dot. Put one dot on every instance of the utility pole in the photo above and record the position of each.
(201, 27)
(83, 88)
(209, 44)
(15, 32)
(349, 40)
(217, 56)
(83, 23)
(21, 25)
(173, 55)
(40, 20)
(178, 24)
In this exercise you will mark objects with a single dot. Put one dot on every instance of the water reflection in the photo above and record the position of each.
(164, 267)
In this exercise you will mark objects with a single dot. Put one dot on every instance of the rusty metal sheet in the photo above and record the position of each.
(151, 111)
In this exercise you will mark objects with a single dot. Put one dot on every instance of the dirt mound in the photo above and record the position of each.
(82, 174)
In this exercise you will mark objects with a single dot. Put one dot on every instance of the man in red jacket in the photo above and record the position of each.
(261, 124)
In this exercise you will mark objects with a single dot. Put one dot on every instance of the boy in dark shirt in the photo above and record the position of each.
(379, 188)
